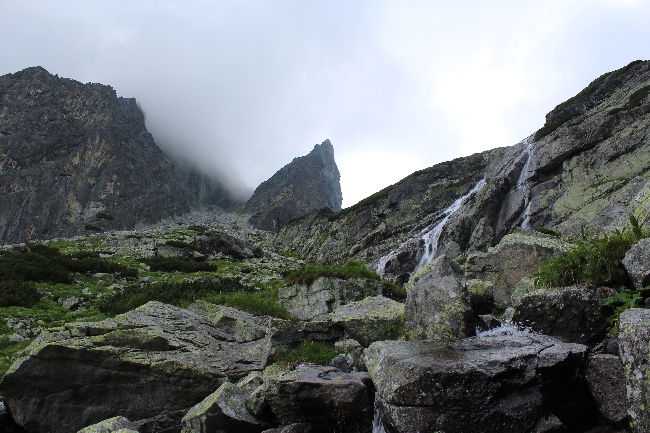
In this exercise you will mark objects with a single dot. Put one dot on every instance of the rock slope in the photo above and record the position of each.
(76, 158)
(306, 183)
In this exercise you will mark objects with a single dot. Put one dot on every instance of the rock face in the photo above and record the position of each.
(587, 166)
(307, 183)
(437, 304)
(634, 344)
(169, 357)
(500, 383)
(372, 319)
(75, 158)
(573, 314)
(606, 380)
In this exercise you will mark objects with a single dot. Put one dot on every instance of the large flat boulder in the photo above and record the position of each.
(169, 357)
(437, 304)
(373, 319)
(634, 347)
(500, 383)
(573, 314)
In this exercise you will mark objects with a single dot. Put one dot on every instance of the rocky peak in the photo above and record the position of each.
(307, 183)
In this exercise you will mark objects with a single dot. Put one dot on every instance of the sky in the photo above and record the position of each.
(243, 87)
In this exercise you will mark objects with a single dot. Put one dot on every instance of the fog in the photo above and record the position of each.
(243, 87)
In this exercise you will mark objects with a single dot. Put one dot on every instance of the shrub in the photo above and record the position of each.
(622, 301)
(181, 244)
(18, 294)
(263, 302)
(310, 351)
(310, 272)
(393, 291)
(178, 294)
(182, 264)
(592, 260)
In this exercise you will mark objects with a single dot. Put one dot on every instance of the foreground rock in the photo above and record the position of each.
(170, 358)
(325, 397)
(637, 263)
(115, 424)
(314, 301)
(501, 383)
(373, 319)
(634, 344)
(437, 305)
(573, 314)
(606, 380)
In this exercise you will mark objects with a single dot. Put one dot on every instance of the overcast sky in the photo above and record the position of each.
(242, 87)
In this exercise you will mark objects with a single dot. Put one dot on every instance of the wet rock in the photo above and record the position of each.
(325, 397)
(117, 424)
(505, 273)
(292, 428)
(223, 410)
(324, 295)
(171, 358)
(548, 423)
(479, 384)
(573, 314)
(226, 244)
(637, 263)
(372, 319)
(606, 380)
(437, 305)
(485, 322)
(634, 344)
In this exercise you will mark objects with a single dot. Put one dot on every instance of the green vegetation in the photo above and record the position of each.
(262, 302)
(180, 244)
(310, 351)
(18, 293)
(92, 228)
(592, 260)
(175, 293)
(623, 301)
(364, 204)
(393, 331)
(548, 231)
(182, 264)
(635, 100)
(393, 291)
(312, 271)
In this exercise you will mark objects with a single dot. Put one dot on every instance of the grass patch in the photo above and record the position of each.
(592, 260)
(182, 264)
(548, 231)
(310, 351)
(18, 294)
(263, 302)
(622, 301)
(180, 244)
(175, 293)
(393, 291)
(635, 100)
(310, 272)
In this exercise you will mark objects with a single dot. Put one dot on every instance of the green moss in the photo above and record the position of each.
(548, 231)
(312, 271)
(635, 100)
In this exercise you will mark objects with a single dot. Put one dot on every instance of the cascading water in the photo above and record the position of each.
(523, 182)
(377, 425)
(430, 235)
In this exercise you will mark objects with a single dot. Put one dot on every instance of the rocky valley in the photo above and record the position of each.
(505, 291)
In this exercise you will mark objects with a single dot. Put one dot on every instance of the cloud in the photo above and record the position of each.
(243, 87)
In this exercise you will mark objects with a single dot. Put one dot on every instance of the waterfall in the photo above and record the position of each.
(377, 425)
(522, 182)
(430, 235)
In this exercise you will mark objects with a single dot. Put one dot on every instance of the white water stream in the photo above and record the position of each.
(377, 425)
(523, 182)
(430, 235)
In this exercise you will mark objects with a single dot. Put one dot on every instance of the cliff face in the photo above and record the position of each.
(307, 183)
(76, 158)
(587, 166)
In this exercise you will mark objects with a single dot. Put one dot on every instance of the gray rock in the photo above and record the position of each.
(117, 424)
(573, 314)
(171, 358)
(437, 305)
(16, 338)
(344, 362)
(505, 273)
(224, 243)
(606, 380)
(324, 397)
(292, 428)
(479, 384)
(307, 183)
(288, 335)
(637, 263)
(70, 302)
(324, 295)
(634, 346)
(548, 423)
(372, 319)
(223, 410)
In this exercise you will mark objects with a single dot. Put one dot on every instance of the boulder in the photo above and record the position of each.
(325, 397)
(637, 263)
(224, 243)
(288, 335)
(223, 410)
(634, 347)
(437, 304)
(606, 381)
(324, 295)
(117, 424)
(548, 423)
(373, 319)
(573, 314)
(479, 384)
(292, 428)
(170, 357)
(505, 273)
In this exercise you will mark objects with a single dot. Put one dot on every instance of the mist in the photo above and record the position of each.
(240, 88)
